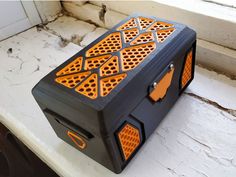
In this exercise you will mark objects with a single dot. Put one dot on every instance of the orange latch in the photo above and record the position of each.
(162, 86)
(77, 140)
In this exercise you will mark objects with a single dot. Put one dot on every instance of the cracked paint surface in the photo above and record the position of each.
(196, 139)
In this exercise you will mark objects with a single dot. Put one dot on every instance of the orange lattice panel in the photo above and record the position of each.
(143, 38)
(144, 22)
(110, 67)
(111, 43)
(89, 87)
(187, 73)
(159, 25)
(95, 62)
(72, 80)
(109, 83)
(163, 34)
(131, 57)
(73, 67)
(129, 24)
(130, 34)
(129, 140)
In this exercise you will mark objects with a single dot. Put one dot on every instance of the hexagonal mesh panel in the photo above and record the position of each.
(163, 34)
(131, 57)
(73, 67)
(129, 24)
(144, 22)
(109, 44)
(110, 67)
(143, 38)
(111, 59)
(95, 62)
(159, 25)
(130, 34)
(109, 83)
(89, 87)
(187, 72)
(129, 139)
(72, 80)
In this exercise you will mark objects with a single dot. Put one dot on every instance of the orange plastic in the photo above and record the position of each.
(143, 38)
(108, 57)
(95, 62)
(111, 43)
(187, 73)
(110, 67)
(129, 24)
(131, 57)
(109, 83)
(89, 87)
(162, 86)
(163, 34)
(144, 22)
(77, 140)
(73, 67)
(72, 80)
(159, 25)
(130, 34)
(129, 140)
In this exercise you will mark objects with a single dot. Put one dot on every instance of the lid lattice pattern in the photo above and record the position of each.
(73, 79)
(129, 140)
(131, 57)
(108, 62)
(95, 62)
(111, 43)
(143, 38)
(129, 24)
(159, 25)
(73, 67)
(109, 83)
(110, 67)
(163, 34)
(130, 34)
(89, 87)
(144, 22)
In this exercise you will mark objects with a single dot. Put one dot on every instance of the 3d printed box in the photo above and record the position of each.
(108, 98)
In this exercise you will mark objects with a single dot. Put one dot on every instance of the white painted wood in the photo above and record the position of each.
(212, 22)
(91, 12)
(195, 139)
(20, 16)
(216, 57)
(48, 10)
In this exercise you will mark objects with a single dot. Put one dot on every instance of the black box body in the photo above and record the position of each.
(107, 99)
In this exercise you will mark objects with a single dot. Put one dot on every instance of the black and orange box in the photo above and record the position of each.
(108, 98)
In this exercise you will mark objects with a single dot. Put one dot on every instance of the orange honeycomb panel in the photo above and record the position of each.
(144, 22)
(143, 38)
(131, 57)
(111, 43)
(72, 80)
(110, 67)
(129, 140)
(95, 62)
(79, 142)
(130, 34)
(89, 87)
(159, 25)
(129, 24)
(73, 67)
(163, 34)
(109, 83)
(187, 73)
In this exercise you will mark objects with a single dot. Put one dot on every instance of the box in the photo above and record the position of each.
(108, 98)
